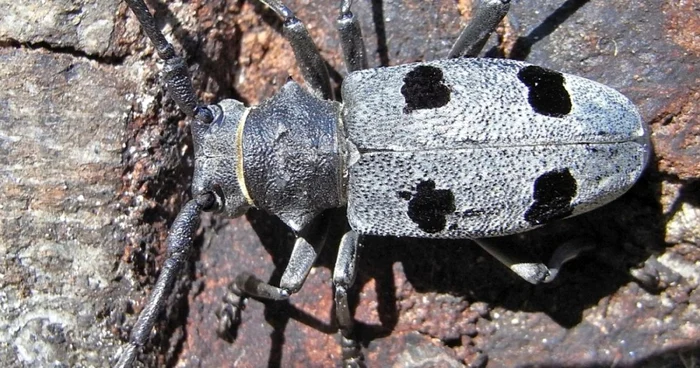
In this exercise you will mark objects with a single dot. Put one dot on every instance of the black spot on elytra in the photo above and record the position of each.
(427, 207)
(547, 94)
(553, 193)
(424, 88)
(405, 195)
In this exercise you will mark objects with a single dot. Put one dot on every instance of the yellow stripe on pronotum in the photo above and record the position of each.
(239, 161)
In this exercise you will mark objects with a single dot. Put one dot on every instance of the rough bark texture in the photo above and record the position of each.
(95, 162)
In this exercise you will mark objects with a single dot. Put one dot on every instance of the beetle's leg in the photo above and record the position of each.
(351, 38)
(176, 73)
(343, 279)
(311, 64)
(229, 313)
(535, 272)
(179, 246)
(300, 262)
(484, 21)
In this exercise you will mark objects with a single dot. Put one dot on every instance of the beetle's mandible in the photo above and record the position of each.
(461, 148)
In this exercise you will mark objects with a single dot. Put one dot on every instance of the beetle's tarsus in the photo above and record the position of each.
(229, 313)
(534, 273)
(352, 353)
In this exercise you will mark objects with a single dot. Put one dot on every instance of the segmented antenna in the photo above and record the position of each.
(176, 73)
(484, 21)
(351, 38)
(179, 247)
(311, 64)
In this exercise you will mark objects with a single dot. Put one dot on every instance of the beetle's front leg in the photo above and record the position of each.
(300, 262)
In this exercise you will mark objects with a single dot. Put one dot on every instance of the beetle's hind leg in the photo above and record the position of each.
(300, 262)
(311, 64)
(484, 21)
(532, 271)
(343, 278)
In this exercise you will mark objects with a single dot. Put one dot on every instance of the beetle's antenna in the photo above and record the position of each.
(484, 21)
(179, 245)
(177, 76)
(311, 64)
(351, 38)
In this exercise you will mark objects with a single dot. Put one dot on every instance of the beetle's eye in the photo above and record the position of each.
(217, 114)
(208, 115)
(205, 118)
(218, 204)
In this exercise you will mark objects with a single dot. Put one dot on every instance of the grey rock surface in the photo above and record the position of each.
(83, 25)
(61, 232)
(95, 163)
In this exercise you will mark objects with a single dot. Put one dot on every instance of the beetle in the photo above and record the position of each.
(461, 148)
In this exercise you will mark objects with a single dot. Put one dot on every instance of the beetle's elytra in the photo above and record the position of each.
(459, 148)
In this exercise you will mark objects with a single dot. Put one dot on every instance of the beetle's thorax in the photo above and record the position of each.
(285, 156)
(291, 156)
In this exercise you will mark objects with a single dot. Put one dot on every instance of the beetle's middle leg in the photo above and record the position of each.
(534, 272)
(484, 21)
(343, 278)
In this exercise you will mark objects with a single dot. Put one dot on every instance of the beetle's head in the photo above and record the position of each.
(215, 158)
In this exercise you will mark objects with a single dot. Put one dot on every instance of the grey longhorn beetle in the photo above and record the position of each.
(461, 148)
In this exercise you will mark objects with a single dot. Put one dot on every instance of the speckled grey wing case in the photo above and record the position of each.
(469, 148)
